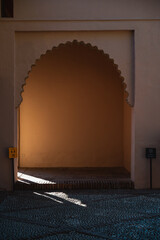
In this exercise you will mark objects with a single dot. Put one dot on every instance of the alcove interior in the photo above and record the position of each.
(74, 112)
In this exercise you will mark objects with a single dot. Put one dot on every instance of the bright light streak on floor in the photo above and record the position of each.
(65, 197)
(39, 194)
(33, 179)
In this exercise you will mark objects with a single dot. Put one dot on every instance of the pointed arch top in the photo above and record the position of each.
(71, 44)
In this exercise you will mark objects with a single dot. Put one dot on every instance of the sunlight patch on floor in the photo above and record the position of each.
(65, 197)
(32, 179)
(43, 195)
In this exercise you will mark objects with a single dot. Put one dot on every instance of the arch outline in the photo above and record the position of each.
(86, 45)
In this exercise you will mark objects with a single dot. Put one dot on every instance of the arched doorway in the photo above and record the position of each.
(74, 111)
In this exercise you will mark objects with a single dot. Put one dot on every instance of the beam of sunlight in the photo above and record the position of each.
(33, 179)
(39, 194)
(64, 196)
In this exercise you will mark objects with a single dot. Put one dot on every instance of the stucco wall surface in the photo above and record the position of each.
(147, 103)
(145, 26)
(86, 9)
(7, 108)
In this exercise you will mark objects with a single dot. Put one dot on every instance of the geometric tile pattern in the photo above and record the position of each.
(80, 214)
(78, 184)
(73, 178)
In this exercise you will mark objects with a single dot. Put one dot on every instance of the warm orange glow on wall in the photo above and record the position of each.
(72, 113)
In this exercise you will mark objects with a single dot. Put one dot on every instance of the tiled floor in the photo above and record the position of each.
(52, 174)
(80, 215)
(64, 178)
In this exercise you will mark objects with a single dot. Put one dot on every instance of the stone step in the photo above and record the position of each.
(78, 184)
